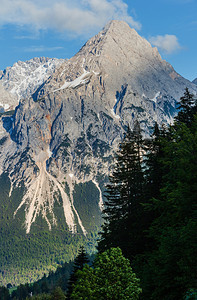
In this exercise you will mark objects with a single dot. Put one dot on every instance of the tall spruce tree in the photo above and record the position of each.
(153, 172)
(79, 262)
(187, 108)
(124, 195)
(170, 268)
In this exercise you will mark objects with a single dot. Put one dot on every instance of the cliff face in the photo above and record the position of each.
(68, 130)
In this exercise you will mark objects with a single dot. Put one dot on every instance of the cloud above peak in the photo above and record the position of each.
(74, 17)
(167, 43)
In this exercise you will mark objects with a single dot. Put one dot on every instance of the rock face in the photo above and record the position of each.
(69, 129)
(195, 81)
(23, 78)
(7, 100)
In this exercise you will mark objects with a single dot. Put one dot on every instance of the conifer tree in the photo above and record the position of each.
(58, 294)
(4, 293)
(79, 262)
(124, 195)
(187, 108)
(171, 266)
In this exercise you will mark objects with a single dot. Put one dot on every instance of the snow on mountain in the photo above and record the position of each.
(23, 78)
(7, 100)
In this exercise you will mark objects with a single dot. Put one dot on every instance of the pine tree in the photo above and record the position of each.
(57, 294)
(79, 262)
(4, 293)
(187, 108)
(153, 181)
(170, 268)
(124, 195)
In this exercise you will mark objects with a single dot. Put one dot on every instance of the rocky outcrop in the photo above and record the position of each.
(194, 81)
(7, 100)
(23, 78)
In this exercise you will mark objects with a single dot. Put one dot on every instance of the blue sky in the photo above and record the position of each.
(58, 28)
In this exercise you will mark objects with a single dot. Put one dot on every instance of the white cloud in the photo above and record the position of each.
(168, 43)
(41, 49)
(79, 17)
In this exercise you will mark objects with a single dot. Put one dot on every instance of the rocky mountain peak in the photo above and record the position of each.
(118, 35)
(116, 48)
(70, 128)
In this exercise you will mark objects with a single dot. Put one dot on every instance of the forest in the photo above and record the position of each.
(147, 244)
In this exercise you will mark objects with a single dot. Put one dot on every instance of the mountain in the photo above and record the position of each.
(7, 100)
(23, 78)
(194, 81)
(57, 150)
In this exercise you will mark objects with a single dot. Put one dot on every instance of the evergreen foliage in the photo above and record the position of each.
(172, 264)
(58, 294)
(79, 262)
(187, 108)
(4, 293)
(162, 212)
(26, 258)
(124, 195)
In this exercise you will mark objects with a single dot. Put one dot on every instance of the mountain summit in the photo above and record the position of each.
(59, 144)
(116, 78)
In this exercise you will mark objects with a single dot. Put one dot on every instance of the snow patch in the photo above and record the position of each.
(5, 106)
(81, 80)
(96, 73)
(83, 62)
(155, 98)
(23, 78)
(114, 115)
(98, 115)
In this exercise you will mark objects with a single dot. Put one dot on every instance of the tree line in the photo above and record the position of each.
(150, 212)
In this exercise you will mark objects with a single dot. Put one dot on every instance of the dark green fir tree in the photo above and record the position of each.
(79, 262)
(124, 195)
(170, 268)
(4, 293)
(187, 108)
(153, 171)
